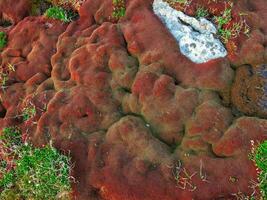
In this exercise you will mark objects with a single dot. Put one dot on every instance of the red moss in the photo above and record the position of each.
(130, 107)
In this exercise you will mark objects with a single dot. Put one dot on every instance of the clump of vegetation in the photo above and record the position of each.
(228, 27)
(259, 156)
(32, 173)
(202, 12)
(228, 30)
(4, 72)
(3, 39)
(3, 79)
(10, 140)
(73, 3)
(119, 8)
(28, 112)
(38, 7)
(58, 13)
(182, 3)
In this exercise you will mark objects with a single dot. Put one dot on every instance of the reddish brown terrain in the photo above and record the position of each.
(140, 120)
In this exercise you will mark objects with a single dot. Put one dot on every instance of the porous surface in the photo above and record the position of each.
(249, 90)
(141, 121)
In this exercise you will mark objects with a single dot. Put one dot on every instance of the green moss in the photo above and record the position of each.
(11, 137)
(42, 173)
(57, 13)
(259, 156)
(38, 173)
(261, 162)
(3, 39)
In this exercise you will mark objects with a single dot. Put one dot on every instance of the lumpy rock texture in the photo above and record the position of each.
(141, 121)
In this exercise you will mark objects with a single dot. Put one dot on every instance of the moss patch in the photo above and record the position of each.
(259, 156)
(32, 173)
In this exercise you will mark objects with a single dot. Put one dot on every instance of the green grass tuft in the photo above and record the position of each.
(58, 13)
(201, 12)
(3, 39)
(11, 138)
(28, 112)
(119, 9)
(36, 174)
(261, 162)
(259, 156)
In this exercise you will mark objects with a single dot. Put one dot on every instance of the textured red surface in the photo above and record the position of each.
(131, 109)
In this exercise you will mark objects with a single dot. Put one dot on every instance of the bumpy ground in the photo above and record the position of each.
(141, 121)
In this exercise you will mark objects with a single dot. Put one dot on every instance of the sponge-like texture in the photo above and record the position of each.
(141, 120)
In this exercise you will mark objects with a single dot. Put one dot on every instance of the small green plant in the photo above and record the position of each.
(57, 13)
(118, 13)
(259, 156)
(201, 12)
(11, 137)
(37, 173)
(3, 39)
(10, 145)
(222, 21)
(119, 8)
(227, 32)
(28, 112)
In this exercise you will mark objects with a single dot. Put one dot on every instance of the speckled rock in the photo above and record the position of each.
(196, 38)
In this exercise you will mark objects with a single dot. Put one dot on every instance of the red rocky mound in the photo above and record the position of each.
(141, 121)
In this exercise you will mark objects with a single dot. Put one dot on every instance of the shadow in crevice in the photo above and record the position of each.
(5, 23)
(2, 111)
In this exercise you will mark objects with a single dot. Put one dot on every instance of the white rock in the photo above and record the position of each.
(195, 37)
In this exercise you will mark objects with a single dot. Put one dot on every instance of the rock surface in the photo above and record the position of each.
(140, 119)
(191, 34)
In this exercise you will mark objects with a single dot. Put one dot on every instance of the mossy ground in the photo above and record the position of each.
(32, 173)
(259, 156)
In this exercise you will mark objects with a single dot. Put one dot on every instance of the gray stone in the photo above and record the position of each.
(193, 35)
